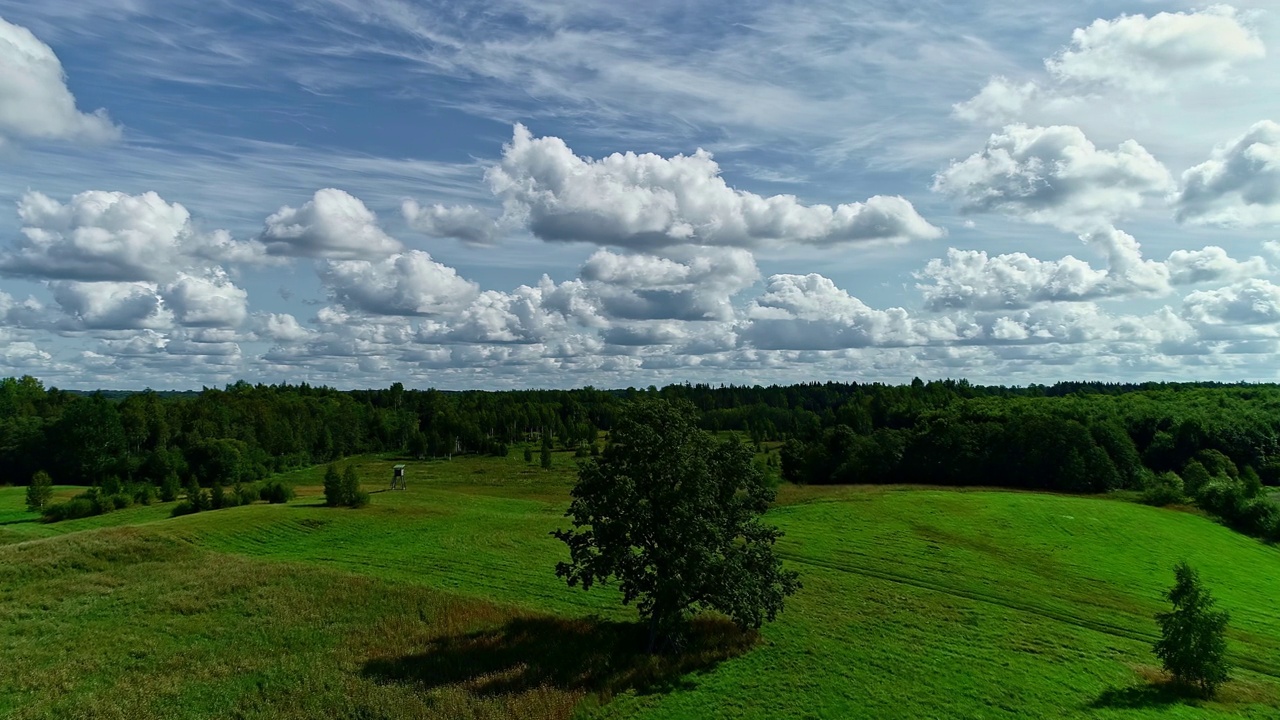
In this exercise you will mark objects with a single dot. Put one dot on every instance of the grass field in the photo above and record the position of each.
(441, 602)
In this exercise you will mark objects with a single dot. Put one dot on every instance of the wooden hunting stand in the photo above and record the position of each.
(397, 478)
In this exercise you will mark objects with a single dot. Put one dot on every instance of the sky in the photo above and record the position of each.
(558, 194)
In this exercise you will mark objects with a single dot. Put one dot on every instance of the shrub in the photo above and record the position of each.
(1163, 489)
(528, 454)
(217, 497)
(360, 499)
(1222, 497)
(119, 501)
(39, 492)
(183, 508)
(143, 493)
(245, 494)
(70, 510)
(170, 488)
(111, 485)
(333, 492)
(1256, 516)
(276, 492)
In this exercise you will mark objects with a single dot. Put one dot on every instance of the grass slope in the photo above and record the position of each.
(440, 602)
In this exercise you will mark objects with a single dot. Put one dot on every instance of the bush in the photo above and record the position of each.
(1257, 516)
(1163, 489)
(276, 492)
(1222, 497)
(528, 454)
(183, 508)
(360, 499)
(70, 510)
(333, 492)
(119, 501)
(246, 494)
(143, 493)
(39, 492)
(170, 488)
(217, 497)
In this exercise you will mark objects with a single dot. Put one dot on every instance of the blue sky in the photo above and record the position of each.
(558, 194)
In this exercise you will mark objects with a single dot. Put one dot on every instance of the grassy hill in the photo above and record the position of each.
(441, 602)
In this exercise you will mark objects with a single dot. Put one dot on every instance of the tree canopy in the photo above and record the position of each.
(674, 517)
(1193, 641)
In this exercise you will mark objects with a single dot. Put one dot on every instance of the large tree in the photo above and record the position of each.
(674, 517)
(1193, 640)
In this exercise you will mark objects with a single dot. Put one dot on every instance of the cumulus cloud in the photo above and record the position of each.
(1000, 101)
(464, 222)
(1250, 302)
(1239, 185)
(332, 224)
(110, 236)
(112, 305)
(646, 201)
(35, 103)
(971, 279)
(809, 312)
(1137, 52)
(1054, 175)
(280, 327)
(408, 283)
(207, 300)
(1211, 264)
(699, 285)
(517, 317)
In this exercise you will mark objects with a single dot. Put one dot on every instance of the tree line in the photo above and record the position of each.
(1214, 444)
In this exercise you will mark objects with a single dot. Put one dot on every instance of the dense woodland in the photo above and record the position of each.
(1216, 445)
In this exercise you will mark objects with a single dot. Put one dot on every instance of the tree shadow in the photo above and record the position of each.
(19, 522)
(1153, 692)
(585, 654)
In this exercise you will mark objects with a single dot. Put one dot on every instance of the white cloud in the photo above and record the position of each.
(332, 224)
(408, 283)
(280, 327)
(1211, 264)
(464, 222)
(110, 236)
(694, 284)
(499, 318)
(1136, 52)
(1239, 185)
(34, 100)
(647, 201)
(972, 279)
(1054, 175)
(1000, 101)
(207, 300)
(112, 305)
(1250, 302)
(808, 312)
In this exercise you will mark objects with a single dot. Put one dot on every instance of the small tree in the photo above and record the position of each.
(546, 456)
(39, 492)
(1193, 642)
(332, 487)
(352, 495)
(674, 516)
(528, 454)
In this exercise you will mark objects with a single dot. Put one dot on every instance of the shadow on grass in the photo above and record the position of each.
(1144, 695)
(587, 654)
(19, 522)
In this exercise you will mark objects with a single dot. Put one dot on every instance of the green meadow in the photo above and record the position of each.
(441, 601)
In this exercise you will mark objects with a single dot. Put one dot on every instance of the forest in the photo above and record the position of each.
(1213, 445)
